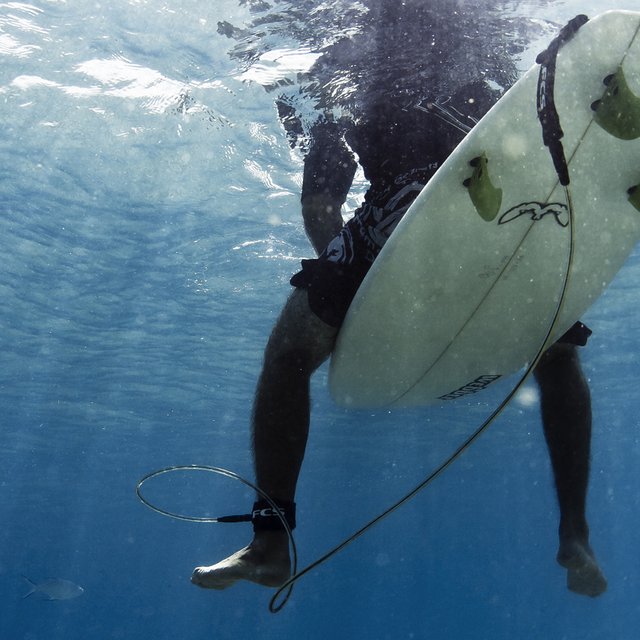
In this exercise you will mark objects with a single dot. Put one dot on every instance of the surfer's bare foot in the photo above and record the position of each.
(583, 573)
(265, 561)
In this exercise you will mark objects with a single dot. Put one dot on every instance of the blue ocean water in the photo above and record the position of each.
(149, 226)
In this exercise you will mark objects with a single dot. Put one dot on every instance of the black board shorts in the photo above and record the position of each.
(578, 335)
(330, 287)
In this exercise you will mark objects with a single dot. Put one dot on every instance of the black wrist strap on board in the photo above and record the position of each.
(265, 518)
(551, 130)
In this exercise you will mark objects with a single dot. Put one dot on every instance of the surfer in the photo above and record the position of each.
(401, 129)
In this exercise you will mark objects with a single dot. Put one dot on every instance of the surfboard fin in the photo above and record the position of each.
(485, 196)
(618, 111)
(634, 196)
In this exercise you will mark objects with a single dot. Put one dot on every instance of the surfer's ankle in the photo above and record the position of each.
(270, 545)
(571, 548)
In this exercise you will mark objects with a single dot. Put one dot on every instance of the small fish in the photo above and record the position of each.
(53, 589)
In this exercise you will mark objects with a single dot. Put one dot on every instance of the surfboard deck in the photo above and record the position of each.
(464, 291)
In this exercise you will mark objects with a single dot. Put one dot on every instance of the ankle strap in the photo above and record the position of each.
(265, 518)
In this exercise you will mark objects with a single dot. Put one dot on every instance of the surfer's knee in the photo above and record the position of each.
(293, 352)
(559, 359)
(299, 339)
(293, 360)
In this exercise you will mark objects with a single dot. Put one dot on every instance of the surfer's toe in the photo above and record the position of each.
(214, 577)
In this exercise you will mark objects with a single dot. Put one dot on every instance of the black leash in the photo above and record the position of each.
(551, 130)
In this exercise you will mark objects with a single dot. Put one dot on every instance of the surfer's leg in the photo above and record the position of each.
(299, 343)
(566, 416)
(322, 219)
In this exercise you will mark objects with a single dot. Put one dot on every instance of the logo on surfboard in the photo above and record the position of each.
(480, 383)
(536, 211)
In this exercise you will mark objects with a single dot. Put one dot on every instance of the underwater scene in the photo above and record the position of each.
(152, 162)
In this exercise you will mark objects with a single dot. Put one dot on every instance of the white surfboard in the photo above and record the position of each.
(463, 293)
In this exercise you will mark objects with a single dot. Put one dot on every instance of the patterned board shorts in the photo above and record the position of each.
(334, 277)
